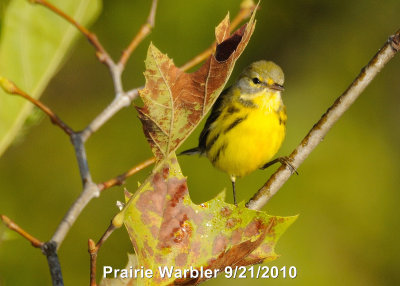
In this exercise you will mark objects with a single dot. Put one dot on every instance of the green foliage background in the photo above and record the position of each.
(347, 191)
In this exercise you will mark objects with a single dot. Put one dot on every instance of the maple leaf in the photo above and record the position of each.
(168, 230)
(175, 101)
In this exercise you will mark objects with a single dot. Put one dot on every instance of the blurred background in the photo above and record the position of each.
(347, 191)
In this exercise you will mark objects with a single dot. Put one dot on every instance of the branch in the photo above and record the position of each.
(94, 249)
(9, 87)
(143, 33)
(321, 128)
(116, 105)
(13, 226)
(48, 248)
(102, 55)
(119, 180)
(89, 192)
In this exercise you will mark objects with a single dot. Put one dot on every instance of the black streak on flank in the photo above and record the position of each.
(235, 123)
(232, 109)
(216, 157)
(212, 141)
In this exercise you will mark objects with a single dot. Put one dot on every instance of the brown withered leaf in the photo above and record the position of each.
(175, 101)
(169, 231)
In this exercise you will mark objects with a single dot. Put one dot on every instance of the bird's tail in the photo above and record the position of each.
(192, 151)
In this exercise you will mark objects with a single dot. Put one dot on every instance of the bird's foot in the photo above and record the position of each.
(284, 161)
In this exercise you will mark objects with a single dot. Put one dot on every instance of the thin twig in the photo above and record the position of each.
(246, 9)
(143, 33)
(11, 88)
(48, 248)
(101, 52)
(93, 261)
(94, 249)
(119, 180)
(318, 132)
(13, 226)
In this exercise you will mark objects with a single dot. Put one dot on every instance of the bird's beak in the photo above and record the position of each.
(276, 86)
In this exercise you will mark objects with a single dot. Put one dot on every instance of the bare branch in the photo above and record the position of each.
(80, 153)
(143, 33)
(119, 180)
(13, 226)
(320, 129)
(48, 248)
(11, 88)
(116, 105)
(89, 192)
(94, 249)
(101, 53)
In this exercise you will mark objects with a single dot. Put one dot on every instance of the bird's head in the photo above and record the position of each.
(261, 75)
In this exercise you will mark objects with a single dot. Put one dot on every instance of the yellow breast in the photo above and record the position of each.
(248, 138)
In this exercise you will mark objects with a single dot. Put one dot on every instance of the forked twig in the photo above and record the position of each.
(48, 248)
(320, 129)
(93, 249)
(122, 99)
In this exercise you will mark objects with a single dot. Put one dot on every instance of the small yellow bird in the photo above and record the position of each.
(247, 123)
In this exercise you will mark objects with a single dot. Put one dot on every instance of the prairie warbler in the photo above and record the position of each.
(246, 126)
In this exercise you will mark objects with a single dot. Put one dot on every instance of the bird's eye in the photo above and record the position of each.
(256, 80)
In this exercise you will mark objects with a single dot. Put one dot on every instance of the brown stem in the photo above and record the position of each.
(93, 259)
(101, 52)
(94, 249)
(246, 9)
(13, 226)
(11, 88)
(143, 33)
(321, 128)
(119, 180)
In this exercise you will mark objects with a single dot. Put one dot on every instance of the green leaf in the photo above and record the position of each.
(175, 101)
(34, 42)
(167, 229)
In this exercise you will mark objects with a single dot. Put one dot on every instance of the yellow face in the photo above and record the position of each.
(261, 75)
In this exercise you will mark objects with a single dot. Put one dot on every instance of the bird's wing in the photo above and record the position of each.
(215, 113)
